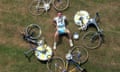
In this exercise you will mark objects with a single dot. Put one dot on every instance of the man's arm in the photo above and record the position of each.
(54, 22)
(66, 22)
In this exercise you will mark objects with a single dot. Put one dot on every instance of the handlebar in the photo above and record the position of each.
(97, 17)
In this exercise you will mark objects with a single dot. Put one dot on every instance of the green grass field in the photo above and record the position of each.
(14, 16)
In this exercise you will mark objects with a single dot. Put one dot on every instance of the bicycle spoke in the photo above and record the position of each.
(55, 65)
(36, 7)
(60, 4)
(80, 55)
(34, 31)
(47, 1)
(91, 40)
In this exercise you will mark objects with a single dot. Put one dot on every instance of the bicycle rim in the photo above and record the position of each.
(34, 31)
(47, 1)
(36, 9)
(80, 54)
(92, 40)
(73, 67)
(60, 5)
(56, 64)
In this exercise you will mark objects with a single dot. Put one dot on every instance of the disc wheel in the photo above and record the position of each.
(36, 7)
(33, 31)
(60, 5)
(92, 40)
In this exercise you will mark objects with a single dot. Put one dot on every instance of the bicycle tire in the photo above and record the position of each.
(60, 6)
(36, 10)
(48, 1)
(89, 43)
(56, 64)
(75, 69)
(80, 54)
(33, 30)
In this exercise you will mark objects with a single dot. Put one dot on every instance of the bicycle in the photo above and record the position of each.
(38, 7)
(93, 39)
(41, 50)
(76, 56)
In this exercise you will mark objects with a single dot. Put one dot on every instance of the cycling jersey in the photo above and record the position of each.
(60, 23)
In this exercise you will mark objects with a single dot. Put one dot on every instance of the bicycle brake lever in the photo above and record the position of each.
(97, 14)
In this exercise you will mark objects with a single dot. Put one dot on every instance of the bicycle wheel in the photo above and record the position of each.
(36, 7)
(92, 40)
(47, 1)
(79, 54)
(55, 64)
(33, 30)
(75, 69)
(60, 5)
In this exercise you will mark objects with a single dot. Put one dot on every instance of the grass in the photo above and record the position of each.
(14, 16)
(13, 60)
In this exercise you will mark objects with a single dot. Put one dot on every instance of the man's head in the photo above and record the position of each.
(59, 14)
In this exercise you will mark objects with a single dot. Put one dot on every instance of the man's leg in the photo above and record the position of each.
(56, 37)
(70, 38)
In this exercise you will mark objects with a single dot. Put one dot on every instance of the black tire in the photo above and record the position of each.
(48, 1)
(36, 9)
(56, 64)
(60, 6)
(80, 54)
(33, 30)
(92, 40)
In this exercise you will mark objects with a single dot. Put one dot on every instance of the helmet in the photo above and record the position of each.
(59, 14)
(75, 36)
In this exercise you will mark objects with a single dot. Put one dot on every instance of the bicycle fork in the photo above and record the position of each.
(38, 5)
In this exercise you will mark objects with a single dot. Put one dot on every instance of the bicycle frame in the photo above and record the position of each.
(94, 21)
(38, 7)
(69, 59)
(77, 56)
(42, 45)
(46, 5)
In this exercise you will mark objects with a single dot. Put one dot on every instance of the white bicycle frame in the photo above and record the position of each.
(46, 5)
(38, 7)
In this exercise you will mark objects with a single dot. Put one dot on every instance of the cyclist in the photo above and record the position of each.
(60, 24)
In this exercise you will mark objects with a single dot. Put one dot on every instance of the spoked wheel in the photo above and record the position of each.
(56, 64)
(48, 1)
(33, 31)
(60, 5)
(92, 40)
(36, 7)
(80, 54)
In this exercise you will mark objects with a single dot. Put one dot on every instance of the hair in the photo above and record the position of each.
(59, 12)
